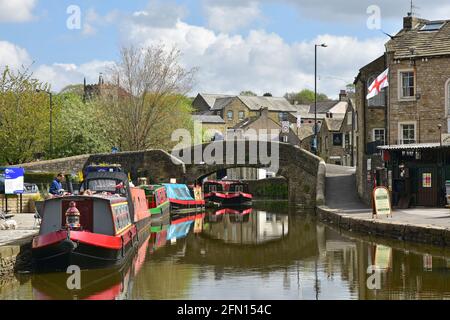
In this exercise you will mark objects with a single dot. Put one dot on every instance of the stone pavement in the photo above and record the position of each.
(23, 232)
(342, 201)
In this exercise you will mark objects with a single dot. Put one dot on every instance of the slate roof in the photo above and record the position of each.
(246, 122)
(256, 103)
(210, 98)
(425, 43)
(323, 106)
(206, 118)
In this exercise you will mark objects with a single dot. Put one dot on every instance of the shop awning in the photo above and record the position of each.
(413, 146)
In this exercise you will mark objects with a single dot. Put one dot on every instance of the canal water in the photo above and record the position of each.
(267, 252)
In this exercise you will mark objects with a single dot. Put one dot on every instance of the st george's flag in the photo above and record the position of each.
(379, 83)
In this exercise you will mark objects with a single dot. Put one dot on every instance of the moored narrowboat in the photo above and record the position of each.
(100, 227)
(181, 200)
(227, 193)
(158, 204)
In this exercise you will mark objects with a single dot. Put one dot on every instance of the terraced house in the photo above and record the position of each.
(408, 118)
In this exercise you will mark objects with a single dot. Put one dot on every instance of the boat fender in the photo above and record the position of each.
(68, 245)
(123, 246)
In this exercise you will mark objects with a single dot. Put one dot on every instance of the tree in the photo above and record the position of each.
(77, 127)
(267, 94)
(24, 116)
(153, 103)
(305, 96)
(248, 93)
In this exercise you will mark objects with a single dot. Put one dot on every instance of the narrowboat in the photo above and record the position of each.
(158, 204)
(99, 227)
(241, 215)
(227, 193)
(181, 200)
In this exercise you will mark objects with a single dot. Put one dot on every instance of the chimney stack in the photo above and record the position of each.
(410, 22)
(343, 95)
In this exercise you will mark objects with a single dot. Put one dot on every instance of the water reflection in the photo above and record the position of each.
(264, 253)
(245, 226)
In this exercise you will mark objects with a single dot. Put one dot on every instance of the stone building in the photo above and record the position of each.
(413, 112)
(213, 126)
(204, 102)
(370, 126)
(235, 109)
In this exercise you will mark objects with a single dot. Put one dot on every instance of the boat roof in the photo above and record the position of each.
(224, 181)
(178, 191)
(122, 176)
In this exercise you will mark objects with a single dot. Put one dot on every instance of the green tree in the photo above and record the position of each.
(305, 96)
(248, 93)
(24, 116)
(77, 127)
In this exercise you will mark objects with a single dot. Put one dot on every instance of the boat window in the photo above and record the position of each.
(106, 185)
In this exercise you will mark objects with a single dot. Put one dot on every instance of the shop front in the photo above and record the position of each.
(417, 174)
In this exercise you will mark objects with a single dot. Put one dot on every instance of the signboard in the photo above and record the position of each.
(381, 202)
(285, 126)
(445, 139)
(426, 180)
(14, 180)
(299, 120)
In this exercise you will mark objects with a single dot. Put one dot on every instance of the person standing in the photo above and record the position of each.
(56, 186)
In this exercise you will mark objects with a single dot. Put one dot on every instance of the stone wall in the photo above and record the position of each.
(429, 110)
(271, 188)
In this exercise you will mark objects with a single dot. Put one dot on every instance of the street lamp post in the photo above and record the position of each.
(51, 118)
(315, 94)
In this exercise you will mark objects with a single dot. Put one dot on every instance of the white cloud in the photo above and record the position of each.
(13, 56)
(16, 10)
(231, 16)
(260, 61)
(93, 21)
(60, 75)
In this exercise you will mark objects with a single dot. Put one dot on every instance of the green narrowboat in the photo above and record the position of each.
(159, 205)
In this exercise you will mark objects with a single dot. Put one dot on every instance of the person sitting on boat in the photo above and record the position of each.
(56, 188)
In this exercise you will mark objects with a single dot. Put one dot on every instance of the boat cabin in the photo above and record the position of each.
(225, 186)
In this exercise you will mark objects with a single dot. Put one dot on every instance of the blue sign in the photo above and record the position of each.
(14, 180)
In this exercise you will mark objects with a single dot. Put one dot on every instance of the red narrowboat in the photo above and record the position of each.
(98, 228)
(227, 193)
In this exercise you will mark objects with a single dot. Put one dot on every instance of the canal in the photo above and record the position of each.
(268, 252)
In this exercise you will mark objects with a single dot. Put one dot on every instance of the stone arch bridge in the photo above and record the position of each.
(304, 172)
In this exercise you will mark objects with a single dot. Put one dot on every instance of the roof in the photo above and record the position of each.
(256, 103)
(323, 106)
(210, 98)
(333, 124)
(305, 131)
(425, 43)
(413, 146)
(177, 191)
(206, 118)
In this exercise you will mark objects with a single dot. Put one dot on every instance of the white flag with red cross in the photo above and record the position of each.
(379, 83)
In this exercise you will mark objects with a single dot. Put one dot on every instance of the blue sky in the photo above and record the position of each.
(259, 45)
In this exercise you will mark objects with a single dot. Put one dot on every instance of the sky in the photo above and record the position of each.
(258, 45)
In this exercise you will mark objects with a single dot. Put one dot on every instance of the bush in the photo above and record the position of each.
(39, 177)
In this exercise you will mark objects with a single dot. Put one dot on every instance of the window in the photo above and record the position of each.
(407, 83)
(337, 139)
(349, 118)
(285, 139)
(282, 116)
(379, 135)
(380, 99)
(347, 140)
(432, 26)
(407, 133)
(230, 115)
(241, 115)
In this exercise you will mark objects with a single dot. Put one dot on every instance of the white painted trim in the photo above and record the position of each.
(400, 85)
(447, 97)
(373, 134)
(400, 132)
